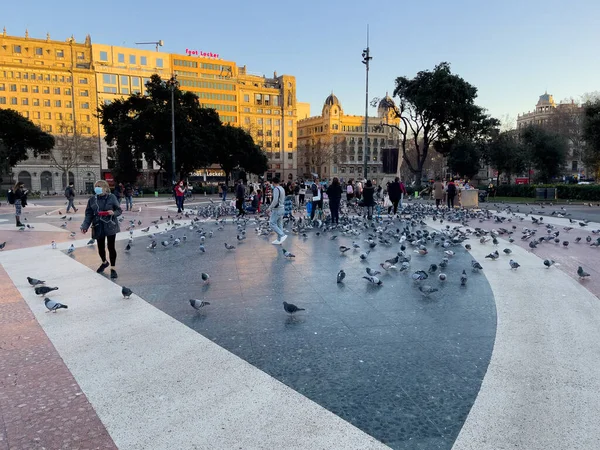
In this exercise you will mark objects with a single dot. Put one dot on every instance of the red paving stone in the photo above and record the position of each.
(41, 404)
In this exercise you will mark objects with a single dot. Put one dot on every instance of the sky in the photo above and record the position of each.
(511, 50)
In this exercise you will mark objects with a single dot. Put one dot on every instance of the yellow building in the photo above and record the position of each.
(332, 144)
(303, 110)
(53, 84)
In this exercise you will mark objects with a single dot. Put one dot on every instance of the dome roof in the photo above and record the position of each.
(546, 99)
(332, 100)
(385, 104)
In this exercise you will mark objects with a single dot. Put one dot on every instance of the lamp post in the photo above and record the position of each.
(366, 58)
(173, 84)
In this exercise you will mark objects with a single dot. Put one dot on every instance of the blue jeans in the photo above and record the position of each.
(276, 221)
(179, 201)
(71, 204)
(224, 196)
(128, 202)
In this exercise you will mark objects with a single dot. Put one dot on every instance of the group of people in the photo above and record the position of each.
(126, 192)
(439, 190)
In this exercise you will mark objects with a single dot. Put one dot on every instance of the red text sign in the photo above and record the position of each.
(191, 52)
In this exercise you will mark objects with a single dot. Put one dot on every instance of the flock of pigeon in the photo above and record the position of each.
(407, 234)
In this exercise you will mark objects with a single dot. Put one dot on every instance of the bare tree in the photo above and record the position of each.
(567, 121)
(318, 153)
(72, 149)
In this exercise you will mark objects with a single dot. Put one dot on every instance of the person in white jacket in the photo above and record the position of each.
(277, 210)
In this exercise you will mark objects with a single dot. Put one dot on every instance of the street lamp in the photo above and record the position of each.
(366, 58)
(173, 84)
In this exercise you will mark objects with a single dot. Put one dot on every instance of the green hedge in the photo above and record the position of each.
(586, 192)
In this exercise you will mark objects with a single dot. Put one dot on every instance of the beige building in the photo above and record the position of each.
(332, 144)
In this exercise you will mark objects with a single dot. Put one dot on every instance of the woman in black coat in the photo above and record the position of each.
(334, 192)
(369, 198)
(101, 214)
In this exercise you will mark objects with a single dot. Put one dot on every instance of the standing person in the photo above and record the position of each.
(379, 189)
(239, 198)
(101, 214)
(128, 197)
(119, 192)
(179, 195)
(334, 192)
(296, 187)
(224, 192)
(403, 192)
(317, 198)
(20, 201)
(277, 210)
(349, 191)
(358, 190)
(289, 201)
(438, 191)
(368, 194)
(301, 193)
(395, 194)
(451, 192)
(268, 193)
(70, 194)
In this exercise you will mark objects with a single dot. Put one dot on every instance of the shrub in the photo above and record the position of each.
(588, 192)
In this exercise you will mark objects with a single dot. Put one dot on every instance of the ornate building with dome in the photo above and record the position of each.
(332, 144)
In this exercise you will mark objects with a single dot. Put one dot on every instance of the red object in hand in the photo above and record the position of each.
(103, 213)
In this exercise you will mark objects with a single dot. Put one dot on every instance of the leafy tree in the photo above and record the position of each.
(434, 108)
(546, 151)
(505, 154)
(236, 149)
(17, 135)
(591, 136)
(465, 158)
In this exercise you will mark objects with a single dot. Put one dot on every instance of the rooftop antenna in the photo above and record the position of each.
(159, 43)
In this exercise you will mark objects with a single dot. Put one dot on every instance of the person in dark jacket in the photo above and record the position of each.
(368, 197)
(395, 193)
(119, 190)
(20, 194)
(180, 195)
(451, 193)
(70, 195)
(334, 192)
(128, 197)
(239, 198)
(317, 198)
(101, 214)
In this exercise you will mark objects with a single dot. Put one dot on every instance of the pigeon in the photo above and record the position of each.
(198, 304)
(426, 290)
(364, 256)
(202, 249)
(291, 308)
(371, 272)
(582, 273)
(493, 256)
(432, 268)
(126, 292)
(577, 239)
(229, 247)
(34, 281)
(374, 280)
(387, 265)
(145, 230)
(165, 243)
(468, 246)
(476, 266)
(463, 278)
(3, 245)
(72, 234)
(54, 306)
(548, 263)
(419, 275)
(128, 247)
(507, 251)
(71, 249)
(205, 277)
(442, 277)
(43, 290)
(344, 249)
(565, 244)
(152, 245)
(287, 254)
(341, 275)
(514, 265)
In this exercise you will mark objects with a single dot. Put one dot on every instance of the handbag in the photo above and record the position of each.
(387, 202)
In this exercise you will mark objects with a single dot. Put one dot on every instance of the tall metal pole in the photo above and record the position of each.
(365, 61)
(173, 129)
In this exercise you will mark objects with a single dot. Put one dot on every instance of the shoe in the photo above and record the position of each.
(19, 224)
(76, 209)
(276, 242)
(102, 267)
(282, 238)
(113, 274)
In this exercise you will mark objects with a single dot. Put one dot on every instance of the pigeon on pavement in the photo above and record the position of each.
(198, 304)
(54, 306)
(548, 263)
(463, 278)
(43, 290)
(341, 275)
(514, 265)
(71, 249)
(372, 272)
(205, 277)
(426, 290)
(287, 254)
(126, 292)
(229, 247)
(582, 273)
(291, 308)
(34, 281)
(374, 280)
(3, 245)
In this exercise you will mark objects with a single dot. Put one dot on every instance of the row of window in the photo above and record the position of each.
(62, 129)
(372, 169)
(208, 85)
(264, 99)
(41, 77)
(228, 119)
(228, 108)
(348, 128)
(39, 51)
(143, 60)
(37, 102)
(213, 96)
(269, 144)
(45, 90)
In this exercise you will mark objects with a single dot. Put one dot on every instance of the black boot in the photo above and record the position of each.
(19, 224)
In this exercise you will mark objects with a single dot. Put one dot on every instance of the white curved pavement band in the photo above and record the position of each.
(155, 383)
(542, 386)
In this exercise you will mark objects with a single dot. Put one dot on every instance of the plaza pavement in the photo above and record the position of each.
(58, 371)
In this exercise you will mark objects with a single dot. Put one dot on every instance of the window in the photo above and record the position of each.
(13, 88)
(121, 58)
(258, 99)
(2, 100)
(57, 103)
(16, 48)
(267, 100)
(259, 121)
(131, 59)
(104, 56)
(60, 53)
(290, 155)
(277, 122)
(289, 145)
(277, 155)
(36, 102)
(85, 106)
(24, 89)
(291, 123)
(275, 99)
(290, 134)
(36, 114)
(2, 87)
(25, 114)
(68, 104)
(125, 81)
(46, 90)
(143, 61)
(84, 93)
(47, 103)
(574, 166)
(246, 119)
(39, 51)
(109, 79)
(80, 55)
(58, 116)
(57, 90)
(259, 111)
(159, 62)
(246, 98)
(83, 81)
(47, 115)
(277, 133)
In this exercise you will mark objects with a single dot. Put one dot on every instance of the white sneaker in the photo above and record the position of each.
(276, 242)
(282, 238)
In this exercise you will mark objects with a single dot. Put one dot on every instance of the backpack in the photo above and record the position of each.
(11, 197)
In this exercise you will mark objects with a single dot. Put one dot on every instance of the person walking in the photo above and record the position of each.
(70, 194)
(451, 192)
(289, 200)
(128, 197)
(349, 192)
(358, 190)
(119, 189)
(276, 210)
(180, 195)
(317, 198)
(368, 197)
(438, 192)
(239, 198)
(395, 194)
(224, 192)
(296, 187)
(20, 201)
(101, 214)
(403, 192)
(334, 192)
(301, 193)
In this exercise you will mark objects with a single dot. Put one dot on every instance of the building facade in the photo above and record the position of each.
(332, 144)
(52, 83)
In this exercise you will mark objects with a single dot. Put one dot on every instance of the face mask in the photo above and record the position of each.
(98, 190)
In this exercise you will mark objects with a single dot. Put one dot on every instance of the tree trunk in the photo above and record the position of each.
(156, 180)
(418, 176)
